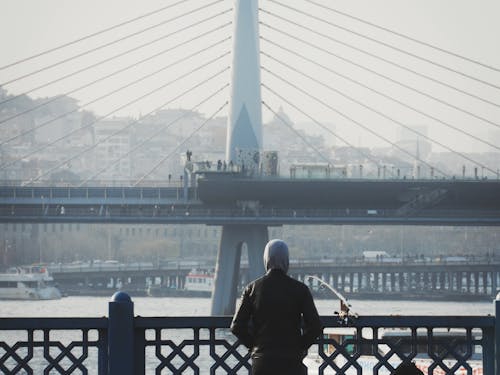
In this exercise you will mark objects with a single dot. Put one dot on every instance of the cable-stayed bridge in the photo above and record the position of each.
(295, 55)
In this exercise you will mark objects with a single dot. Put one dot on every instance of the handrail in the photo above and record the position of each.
(204, 345)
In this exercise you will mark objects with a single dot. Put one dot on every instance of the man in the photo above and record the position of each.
(277, 319)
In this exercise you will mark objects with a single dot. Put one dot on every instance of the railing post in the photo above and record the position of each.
(121, 335)
(497, 335)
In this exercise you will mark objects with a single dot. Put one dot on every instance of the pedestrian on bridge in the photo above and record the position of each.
(277, 319)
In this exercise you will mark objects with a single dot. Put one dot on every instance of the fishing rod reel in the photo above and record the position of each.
(345, 315)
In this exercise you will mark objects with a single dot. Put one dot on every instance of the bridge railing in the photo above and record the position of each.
(124, 344)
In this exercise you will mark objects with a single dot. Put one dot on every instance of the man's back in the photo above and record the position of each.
(276, 304)
(277, 319)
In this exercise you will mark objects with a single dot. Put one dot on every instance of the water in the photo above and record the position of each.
(168, 306)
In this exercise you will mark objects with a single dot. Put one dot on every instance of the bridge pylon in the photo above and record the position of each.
(228, 263)
(244, 128)
(243, 149)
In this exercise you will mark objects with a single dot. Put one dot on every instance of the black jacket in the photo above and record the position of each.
(277, 317)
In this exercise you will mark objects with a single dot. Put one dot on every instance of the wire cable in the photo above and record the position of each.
(302, 138)
(386, 116)
(43, 124)
(109, 43)
(116, 72)
(379, 93)
(53, 49)
(157, 165)
(427, 44)
(350, 119)
(126, 127)
(389, 46)
(402, 67)
(121, 54)
(385, 76)
(153, 134)
(116, 110)
(357, 149)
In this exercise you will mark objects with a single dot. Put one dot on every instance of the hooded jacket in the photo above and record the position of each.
(277, 316)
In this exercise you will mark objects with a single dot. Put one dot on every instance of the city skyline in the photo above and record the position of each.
(38, 27)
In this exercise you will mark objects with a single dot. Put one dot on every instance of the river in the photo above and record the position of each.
(169, 306)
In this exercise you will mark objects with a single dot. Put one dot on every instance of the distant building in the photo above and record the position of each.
(113, 144)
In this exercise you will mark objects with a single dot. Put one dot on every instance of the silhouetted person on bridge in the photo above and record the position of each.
(277, 319)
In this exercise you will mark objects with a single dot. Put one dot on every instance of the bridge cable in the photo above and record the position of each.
(154, 134)
(416, 157)
(335, 134)
(302, 138)
(53, 49)
(45, 123)
(426, 44)
(387, 45)
(109, 43)
(126, 127)
(110, 59)
(117, 109)
(388, 117)
(422, 75)
(157, 165)
(384, 76)
(378, 92)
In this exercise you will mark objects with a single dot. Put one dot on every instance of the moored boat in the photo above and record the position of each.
(28, 283)
(200, 281)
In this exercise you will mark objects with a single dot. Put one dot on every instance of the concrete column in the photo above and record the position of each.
(228, 263)
(476, 282)
(485, 282)
(434, 281)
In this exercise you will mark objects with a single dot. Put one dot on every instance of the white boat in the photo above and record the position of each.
(199, 281)
(28, 283)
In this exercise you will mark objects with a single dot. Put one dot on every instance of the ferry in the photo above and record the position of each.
(28, 283)
(200, 281)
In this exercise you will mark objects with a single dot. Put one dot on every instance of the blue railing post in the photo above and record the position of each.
(497, 335)
(121, 335)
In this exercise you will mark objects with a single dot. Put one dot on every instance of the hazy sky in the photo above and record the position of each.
(468, 28)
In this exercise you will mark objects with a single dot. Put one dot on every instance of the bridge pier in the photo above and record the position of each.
(228, 263)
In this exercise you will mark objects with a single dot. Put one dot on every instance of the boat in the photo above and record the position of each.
(28, 283)
(200, 281)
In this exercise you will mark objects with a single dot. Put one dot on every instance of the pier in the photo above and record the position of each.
(125, 344)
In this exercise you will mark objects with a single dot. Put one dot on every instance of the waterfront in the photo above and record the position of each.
(167, 306)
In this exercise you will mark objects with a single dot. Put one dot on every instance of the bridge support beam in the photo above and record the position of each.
(228, 263)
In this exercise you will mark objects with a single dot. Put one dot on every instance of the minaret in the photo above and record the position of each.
(416, 165)
(244, 131)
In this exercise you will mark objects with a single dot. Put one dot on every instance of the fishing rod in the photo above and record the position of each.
(345, 313)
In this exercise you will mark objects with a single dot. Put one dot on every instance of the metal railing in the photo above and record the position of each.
(124, 344)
